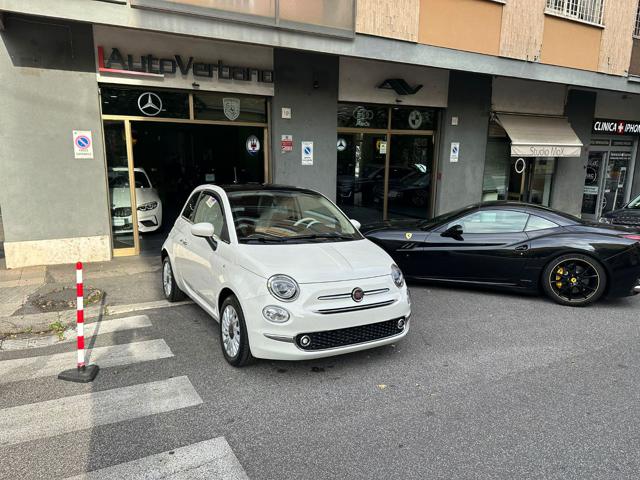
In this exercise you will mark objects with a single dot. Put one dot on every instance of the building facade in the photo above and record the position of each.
(112, 111)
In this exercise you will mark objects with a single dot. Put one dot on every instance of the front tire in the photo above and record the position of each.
(234, 340)
(575, 280)
(171, 290)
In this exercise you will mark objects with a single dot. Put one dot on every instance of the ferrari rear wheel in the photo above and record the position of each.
(575, 280)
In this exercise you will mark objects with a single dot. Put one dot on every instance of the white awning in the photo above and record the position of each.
(537, 136)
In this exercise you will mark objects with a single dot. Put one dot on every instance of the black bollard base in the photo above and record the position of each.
(80, 375)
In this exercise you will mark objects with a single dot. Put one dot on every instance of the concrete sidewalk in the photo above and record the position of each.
(123, 281)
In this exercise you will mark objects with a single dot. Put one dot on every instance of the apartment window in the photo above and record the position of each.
(636, 31)
(583, 10)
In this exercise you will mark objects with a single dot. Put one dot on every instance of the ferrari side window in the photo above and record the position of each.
(539, 223)
(493, 221)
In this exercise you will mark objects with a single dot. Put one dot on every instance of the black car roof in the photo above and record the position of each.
(263, 187)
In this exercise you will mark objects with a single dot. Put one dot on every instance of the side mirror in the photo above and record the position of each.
(454, 231)
(206, 231)
(355, 223)
(203, 229)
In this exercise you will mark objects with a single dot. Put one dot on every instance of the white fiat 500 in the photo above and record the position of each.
(285, 273)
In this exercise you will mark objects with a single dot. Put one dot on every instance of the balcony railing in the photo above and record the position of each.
(589, 11)
(325, 17)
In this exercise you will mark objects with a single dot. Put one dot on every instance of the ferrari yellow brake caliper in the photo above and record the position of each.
(559, 272)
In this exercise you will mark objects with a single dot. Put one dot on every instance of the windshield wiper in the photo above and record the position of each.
(262, 239)
(328, 236)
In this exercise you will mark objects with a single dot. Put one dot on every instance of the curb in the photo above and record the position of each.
(39, 322)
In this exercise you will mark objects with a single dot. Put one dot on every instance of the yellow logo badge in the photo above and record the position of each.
(408, 235)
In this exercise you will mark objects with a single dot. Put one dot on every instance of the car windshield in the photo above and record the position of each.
(287, 216)
(118, 179)
(445, 217)
(635, 203)
(141, 180)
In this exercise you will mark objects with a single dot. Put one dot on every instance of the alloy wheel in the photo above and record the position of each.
(167, 278)
(574, 280)
(230, 329)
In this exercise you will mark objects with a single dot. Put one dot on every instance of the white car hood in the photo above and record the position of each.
(120, 197)
(317, 262)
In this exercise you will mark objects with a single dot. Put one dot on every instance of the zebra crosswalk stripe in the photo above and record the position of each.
(207, 460)
(50, 365)
(70, 414)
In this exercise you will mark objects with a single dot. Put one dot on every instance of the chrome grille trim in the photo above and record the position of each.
(338, 296)
(355, 308)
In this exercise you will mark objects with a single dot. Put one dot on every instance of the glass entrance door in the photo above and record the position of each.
(124, 224)
(615, 181)
(361, 175)
(592, 187)
(410, 164)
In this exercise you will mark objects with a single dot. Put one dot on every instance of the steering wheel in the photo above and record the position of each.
(306, 219)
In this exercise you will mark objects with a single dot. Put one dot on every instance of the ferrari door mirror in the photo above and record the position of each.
(454, 231)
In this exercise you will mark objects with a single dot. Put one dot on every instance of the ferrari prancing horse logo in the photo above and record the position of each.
(408, 235)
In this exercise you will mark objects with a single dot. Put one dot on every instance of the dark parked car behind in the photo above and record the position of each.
(629, 215)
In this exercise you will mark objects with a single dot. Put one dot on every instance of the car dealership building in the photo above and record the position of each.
(378, 108)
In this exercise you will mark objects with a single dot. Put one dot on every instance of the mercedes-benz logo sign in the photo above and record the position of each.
(357, 294)
(150, 104)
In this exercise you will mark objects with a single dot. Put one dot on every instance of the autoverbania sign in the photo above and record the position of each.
(152, 66)
(615, 127)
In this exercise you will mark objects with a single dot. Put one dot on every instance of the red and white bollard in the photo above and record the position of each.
(83, 373)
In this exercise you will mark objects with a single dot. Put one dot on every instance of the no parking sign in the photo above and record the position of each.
(82, 144)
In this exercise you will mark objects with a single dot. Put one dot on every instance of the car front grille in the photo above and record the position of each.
(352, 335)
(122, 212)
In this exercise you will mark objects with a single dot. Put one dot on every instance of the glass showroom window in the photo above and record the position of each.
(585, 10)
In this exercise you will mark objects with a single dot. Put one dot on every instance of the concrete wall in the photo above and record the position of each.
(461, 183)
(49, 89)
(568, 181)
(308, 84)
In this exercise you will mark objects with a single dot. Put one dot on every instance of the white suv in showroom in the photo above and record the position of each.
(285, 273)
(147, 198)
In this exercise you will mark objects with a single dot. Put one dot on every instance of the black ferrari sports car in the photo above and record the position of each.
(517, 246)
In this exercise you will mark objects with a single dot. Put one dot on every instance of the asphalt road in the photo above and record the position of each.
(486, 385)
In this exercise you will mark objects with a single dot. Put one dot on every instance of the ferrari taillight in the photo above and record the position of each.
(635, 237)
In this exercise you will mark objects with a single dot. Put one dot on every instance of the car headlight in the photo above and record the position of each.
(275, 314)
(396, 274)
(605, 220)
(147, 206)
(283, 288)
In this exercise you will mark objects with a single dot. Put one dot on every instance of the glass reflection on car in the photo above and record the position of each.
(293, 217)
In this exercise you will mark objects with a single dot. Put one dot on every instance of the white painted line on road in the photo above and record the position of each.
(90, 329)
(208, 460)
(48, 365)
(71, 414)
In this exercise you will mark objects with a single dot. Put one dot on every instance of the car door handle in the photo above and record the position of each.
(522, 248)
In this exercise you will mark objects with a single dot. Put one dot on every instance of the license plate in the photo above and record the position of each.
(119, 222)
